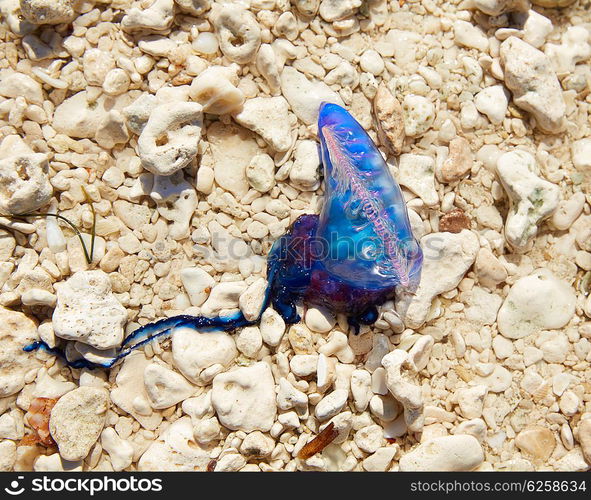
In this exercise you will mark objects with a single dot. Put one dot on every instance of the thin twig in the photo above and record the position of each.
(62, 218)
(93, 230)
(89, 257)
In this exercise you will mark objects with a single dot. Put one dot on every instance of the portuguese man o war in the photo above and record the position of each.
(349, 259)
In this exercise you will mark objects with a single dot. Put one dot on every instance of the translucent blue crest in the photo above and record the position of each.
(364, 216)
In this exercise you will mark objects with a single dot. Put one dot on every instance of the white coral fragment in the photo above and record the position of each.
(170, 139)
(24, 182)
(533, 199)
(215, 89)
(529, 75)
(238, 32)
(176, 200)
(194, 7)
(399, 370)
(157, 17)
(268, 117)
(268, 68)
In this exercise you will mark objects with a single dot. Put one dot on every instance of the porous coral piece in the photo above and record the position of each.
(269, 117)
(170, 139)
(16, 331)
(48, 11)
(533, 199)
(238, 32)
(24, 180)
(399, 371)
(88, 311)
(215, 89)
(156, 18)
(531, 78)
(77, 420)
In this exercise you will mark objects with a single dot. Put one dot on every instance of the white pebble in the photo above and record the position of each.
(371, 62)
(493, 102)
(205, 43)
(419, 115)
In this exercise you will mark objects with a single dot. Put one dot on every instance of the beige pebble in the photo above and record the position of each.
(459, 161)
(300, 338)
(390, 119)
(537, 442)
(584, 437)
(77, 420)
(569, 403)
